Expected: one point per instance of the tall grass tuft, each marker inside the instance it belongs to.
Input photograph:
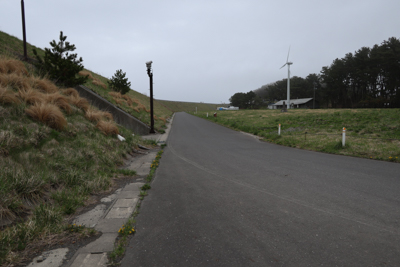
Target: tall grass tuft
(107, 127)
(31, 96)
(48, 114)
(8, 97)
(44, 85)
(14, 81)
(99, 83)
(8, 66)
(115, 94)
(86, 73)
(70, 92)
(60, 101)
(79, 102)
(128, 99)
(97, 115)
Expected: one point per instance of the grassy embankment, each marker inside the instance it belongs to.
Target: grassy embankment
(56, 151)
(370, 133)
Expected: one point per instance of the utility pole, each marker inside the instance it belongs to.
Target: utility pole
(23, 29)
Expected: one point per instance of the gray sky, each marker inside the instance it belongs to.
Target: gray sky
(205, 50)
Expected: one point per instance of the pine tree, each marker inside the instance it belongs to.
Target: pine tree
(60, 65)
(119, 83)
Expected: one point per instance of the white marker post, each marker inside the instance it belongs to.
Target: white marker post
(344, 137)
(279, 130)
(207, 114)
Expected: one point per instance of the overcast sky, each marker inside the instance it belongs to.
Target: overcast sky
(205, 50)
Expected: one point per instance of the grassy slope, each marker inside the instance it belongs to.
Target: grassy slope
(53, 157)
(47, 172)
(370, 133)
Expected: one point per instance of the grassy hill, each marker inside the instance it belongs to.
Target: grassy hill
(56, 151)
(135, 103)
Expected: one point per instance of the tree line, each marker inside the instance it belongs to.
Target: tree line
(369, 78)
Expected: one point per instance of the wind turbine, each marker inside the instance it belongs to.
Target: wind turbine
(288, 79)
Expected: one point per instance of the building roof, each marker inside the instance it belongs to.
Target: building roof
(293, 101)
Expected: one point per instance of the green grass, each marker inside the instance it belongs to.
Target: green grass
(370, 133)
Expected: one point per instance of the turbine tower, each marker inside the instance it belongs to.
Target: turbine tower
(288, 79)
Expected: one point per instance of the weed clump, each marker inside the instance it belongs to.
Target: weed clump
(48, 114)
(8, 97)
(107, 127)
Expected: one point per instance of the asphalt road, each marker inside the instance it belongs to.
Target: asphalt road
(224, 198)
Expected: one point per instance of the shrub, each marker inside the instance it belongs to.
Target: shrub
(61, 65)
(48, 114)
(119, 83)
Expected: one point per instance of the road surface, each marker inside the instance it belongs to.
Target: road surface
(224, 198)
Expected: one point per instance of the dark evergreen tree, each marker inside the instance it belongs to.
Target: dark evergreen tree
(119, 83)
(61, 65)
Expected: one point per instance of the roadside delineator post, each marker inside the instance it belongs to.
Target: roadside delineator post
(279, 129)
(344, 137)
(207, 114)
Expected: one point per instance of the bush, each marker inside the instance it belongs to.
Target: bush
(61, 65)
(119, 83)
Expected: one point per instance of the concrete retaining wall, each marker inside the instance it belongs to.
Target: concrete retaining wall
(120, 116)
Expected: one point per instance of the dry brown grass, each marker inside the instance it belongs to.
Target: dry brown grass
(120, 101)
(86, 73)
(140, 106)
(115, 95)
(8, 66)
(107, 127)
(70, 92)
(8, 96)
(128, 99)
(99, 83)
(48, 114)
(60, 101)
(31, 96)
(98, 115)
(14, 81)
(79, 102)
(43, 85)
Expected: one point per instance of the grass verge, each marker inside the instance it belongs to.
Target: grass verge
(370, 133)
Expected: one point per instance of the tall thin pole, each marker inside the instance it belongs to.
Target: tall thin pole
(150, 73)
(23, 29)
(288, 87)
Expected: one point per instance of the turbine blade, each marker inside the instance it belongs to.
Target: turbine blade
(283, 66)
(287, 60)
